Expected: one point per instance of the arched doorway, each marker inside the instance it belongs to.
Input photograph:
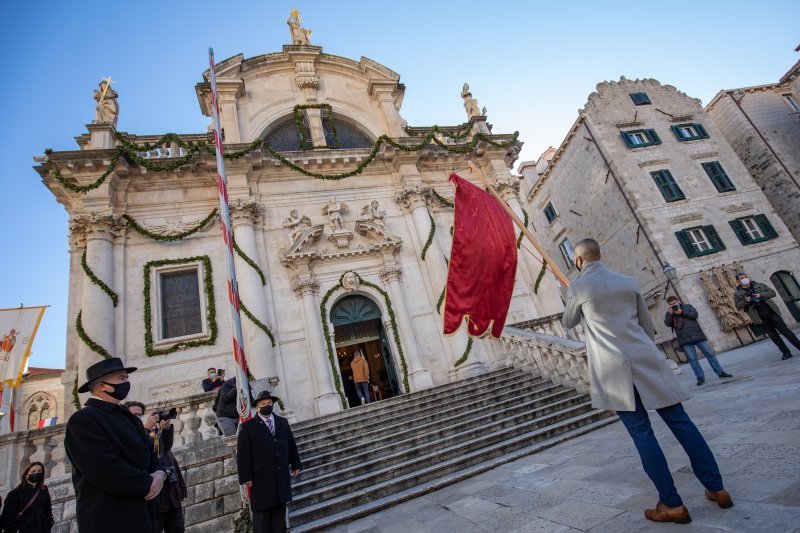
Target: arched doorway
(789, 290)
(357, 324)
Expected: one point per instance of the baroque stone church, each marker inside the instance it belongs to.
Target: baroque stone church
(341, 214)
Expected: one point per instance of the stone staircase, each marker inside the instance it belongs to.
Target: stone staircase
(359, 461)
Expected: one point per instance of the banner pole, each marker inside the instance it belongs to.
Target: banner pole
(473, 168)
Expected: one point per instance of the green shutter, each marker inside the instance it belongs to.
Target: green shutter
(627, 139)
(701, 131)
(738, 229)
(677, 132)
(654, 139)
(718, 177)
(686, 244)
(766, 227)
(713, 238)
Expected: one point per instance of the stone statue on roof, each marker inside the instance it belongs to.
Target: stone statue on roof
(107, 108)
(300, 35)
(470, 103)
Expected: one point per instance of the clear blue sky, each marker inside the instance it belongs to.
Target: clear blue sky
(531, 64)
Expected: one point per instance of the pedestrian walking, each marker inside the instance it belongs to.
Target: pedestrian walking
(360, 369)
(629, 374)
(756, 300)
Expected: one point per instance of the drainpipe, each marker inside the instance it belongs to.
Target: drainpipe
(590, 128)
(758, 132)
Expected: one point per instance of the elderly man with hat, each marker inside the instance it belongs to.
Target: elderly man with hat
(266, 456)
(755, 299)
(114, 471)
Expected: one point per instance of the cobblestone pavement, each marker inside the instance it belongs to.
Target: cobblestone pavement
(596, 483)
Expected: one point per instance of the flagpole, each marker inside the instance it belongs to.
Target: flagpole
(550, 263)
(242, 384)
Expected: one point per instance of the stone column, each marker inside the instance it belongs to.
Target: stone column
(326, 398)
(97, 308)
(418, 376)
(229, 93)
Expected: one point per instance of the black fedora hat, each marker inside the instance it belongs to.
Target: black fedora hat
(103, 368)
(264, 395)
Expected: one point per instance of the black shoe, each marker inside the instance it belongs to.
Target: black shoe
(700, 381)
(786, 356)
(725, 375)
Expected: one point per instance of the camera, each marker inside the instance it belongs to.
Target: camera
(220, 372)
(676, 307)
(172, 414)
(752, 294)
(171, 476)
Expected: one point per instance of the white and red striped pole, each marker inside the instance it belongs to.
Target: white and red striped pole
(243, 386)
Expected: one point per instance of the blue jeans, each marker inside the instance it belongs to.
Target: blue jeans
(362, 389)
(691, 354)
(655, 464)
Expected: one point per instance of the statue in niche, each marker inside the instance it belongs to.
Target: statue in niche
(300, 35)
(335, 210)
(297, 224)
(470, 103)
(372, 213)
(107, 108)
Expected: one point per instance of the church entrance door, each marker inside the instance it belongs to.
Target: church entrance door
(357, 324)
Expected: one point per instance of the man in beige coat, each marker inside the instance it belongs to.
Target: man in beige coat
(360, 369)
(628, 374)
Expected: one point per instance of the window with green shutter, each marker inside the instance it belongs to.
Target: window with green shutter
(550, 212)
(754, 229)
(640, 138)
(699, 241)
(718, 176)
(667, 185)
(689, 132)
(640, 98)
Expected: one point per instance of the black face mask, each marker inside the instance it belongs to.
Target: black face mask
(266, 410)
(35, 478)
(121, 390)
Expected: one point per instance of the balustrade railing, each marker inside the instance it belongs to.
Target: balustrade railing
(551, 325)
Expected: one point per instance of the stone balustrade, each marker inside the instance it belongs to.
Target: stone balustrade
(194, 423)
(551, 325)
(559, 359)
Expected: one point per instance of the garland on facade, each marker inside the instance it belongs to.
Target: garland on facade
(430, 237)
(539, 277)
(76, 401)
(243, 523)
(250, 262)
(465, 354)
(82, 335)
(174, 236)
(522, 233)
(298, 121)
(210, 307)
(260, 325)
(441, 299)
(97, 281)
(132, 152)
(462, 131)
(442, 200)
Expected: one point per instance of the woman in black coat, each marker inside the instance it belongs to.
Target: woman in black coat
(28, 507)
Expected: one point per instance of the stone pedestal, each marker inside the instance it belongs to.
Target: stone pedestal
(101, 136)
(341, 238)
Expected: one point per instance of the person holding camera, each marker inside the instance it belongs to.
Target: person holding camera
(114, 471)
(214, 379)
(169, 511)
(756, 300)
(682, 318)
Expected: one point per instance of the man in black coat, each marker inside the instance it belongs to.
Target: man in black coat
(682, 318)
(114, 471)
(225, 407)
(266, 456)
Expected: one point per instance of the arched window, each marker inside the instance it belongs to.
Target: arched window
(339, 133)
(39, 407)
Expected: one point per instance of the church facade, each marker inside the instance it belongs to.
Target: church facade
(341, 216)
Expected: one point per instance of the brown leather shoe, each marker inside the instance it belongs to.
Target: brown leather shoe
(721, 497)
(662, 513)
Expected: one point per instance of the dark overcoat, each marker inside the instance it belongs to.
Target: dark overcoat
(111, 465)
(267, 461)
(766, 295)
(687, 329)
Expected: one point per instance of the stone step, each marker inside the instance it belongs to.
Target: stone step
(388, 422)
(449, 454)
(428, 396)
(329, 453)
(507, 421)
(349, 507)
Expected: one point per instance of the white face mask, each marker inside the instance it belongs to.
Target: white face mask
(745, 281)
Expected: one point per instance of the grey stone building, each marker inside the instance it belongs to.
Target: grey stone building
(646, 172)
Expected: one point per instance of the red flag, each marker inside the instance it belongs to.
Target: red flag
(483, 261)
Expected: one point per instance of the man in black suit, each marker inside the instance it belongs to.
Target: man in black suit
(266, 456)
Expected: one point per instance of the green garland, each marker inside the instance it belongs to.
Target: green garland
(97, 281)
(250, 262)
(95, 184)
(88, 340)
(466, 353)
(522, 233)
(539, 277)
(462, 131)
(173, 237)
(243, 523)
(430, 237)
(76, 401)
(440, 300)
(442, 200)
(337, 382)
(260, 325)
(298, 121)
(210, 307)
